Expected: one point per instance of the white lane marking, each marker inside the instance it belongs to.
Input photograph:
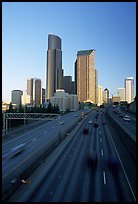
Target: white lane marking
(100, 139)
(104, 177)
(122, 167)
(34, 139)
(45, 132)
(100, 132)
(53, 127)
(102, 152)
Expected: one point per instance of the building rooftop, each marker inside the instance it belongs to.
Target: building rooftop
(84, 52)
(129, 78)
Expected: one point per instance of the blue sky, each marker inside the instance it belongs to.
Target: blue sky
(109, 28)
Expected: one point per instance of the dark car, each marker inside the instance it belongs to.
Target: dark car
(121, 116)
(85, 131)
(92, 160)
(96, 124)
(113, 164)
(104, 122)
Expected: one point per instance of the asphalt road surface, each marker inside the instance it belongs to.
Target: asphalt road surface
(65, 175)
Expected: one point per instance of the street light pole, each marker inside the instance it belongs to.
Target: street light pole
(24, 113)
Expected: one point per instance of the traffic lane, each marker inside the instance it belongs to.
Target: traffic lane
(114, 180)
(132, 120)
(128, 164)
(13, 163)
(53, 188)
(26, 138)
(10, 163)
(39, 177)
(133, 116)
(72, 187)
(125, 125)
(101, 176)
(101, 181)
(108, 185)
(4, 183)
(33, 137)
(15, 140)
(120, 180)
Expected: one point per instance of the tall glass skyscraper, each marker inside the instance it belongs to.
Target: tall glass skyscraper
(54, 73)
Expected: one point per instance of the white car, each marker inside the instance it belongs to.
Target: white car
(126, 118)
(62, 122)
(17, 149)
(90, 121)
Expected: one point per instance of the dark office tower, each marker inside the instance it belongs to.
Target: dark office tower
(43, 95)
(75, 76)
(54, 65)
(67, 84)
(73, 87)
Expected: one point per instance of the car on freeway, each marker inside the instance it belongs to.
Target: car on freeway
(18, 149)
(126, 118)
(90, 121)
(120, 115)
(113, 164)
(92, 160)
(75, 115)
(104, 122)
(96, 124)
(85, 131)
(62, 122)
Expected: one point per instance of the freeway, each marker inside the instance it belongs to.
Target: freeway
(129, 126)
(65, 176)
(34, 140)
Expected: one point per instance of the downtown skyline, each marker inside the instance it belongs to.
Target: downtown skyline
(26, 53)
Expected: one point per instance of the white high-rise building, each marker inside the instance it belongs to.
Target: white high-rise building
(121, 93)
(129, 89)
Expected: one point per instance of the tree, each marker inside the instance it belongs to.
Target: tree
(49, 108)
(10, 108)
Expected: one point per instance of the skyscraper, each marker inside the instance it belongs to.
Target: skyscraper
(86, 76)
(100, 98)
(43, 95)
(16, 97)
(34, 89)
(67, 84)
(129, 89)
(54, 65)
(106, 96)
(121, 93)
